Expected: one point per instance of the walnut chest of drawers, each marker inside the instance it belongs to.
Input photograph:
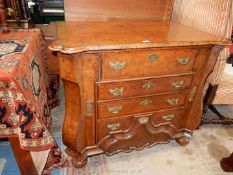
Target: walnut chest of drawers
(130, 85)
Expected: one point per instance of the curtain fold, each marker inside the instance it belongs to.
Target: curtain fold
(212, 16)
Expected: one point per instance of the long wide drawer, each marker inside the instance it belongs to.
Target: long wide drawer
(139, 105)
(106, 126)
(124, 89)
(142, 63)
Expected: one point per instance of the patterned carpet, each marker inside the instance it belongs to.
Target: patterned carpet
(201, 156)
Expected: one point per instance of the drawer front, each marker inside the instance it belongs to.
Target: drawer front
(119, 90)
(142, 104)
(105, 126)
(133, 64)
(176, 117)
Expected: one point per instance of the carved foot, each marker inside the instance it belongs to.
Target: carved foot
(183, 141)
(79, 163)
(183, 137)
(78, 160)
(227, 163)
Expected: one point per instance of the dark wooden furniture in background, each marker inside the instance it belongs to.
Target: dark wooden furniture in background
(18, 14)
(227, 163)
(132, 78)
(3, 22)
(208, 104)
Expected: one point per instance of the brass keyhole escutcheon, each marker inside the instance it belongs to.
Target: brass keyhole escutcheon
(89, 108)
(193, 94)
(143, 120)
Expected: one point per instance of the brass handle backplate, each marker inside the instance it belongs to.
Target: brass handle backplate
(152, 57)
(148, 85)
(117, 91)
(173, 101)
(118, 66)
(143, 120)
(114, 126)
(115, 110)
(168, 117)
(145, 102)
(183, 60)
(177, 84)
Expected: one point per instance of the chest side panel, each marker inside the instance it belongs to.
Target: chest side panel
(79, 73)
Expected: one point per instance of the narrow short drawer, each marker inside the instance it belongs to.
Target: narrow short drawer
(139, 105)
(125, 89)
(176, 117)
(124, 124)
(105, 126)
(142, 63)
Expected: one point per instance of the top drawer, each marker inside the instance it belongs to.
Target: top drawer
(143, 63)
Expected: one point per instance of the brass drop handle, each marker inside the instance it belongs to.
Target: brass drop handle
(183, 60)
(118, 66)
(115, 110)
(173, 101)
(143, 120)
(114, 126)
(117, 91)
(146, 102)
(168, 117)
(152, 57)
(148, 85)
(177, 84)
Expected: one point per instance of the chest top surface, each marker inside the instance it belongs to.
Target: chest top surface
(74, 37)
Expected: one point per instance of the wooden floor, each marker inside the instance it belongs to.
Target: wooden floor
(8, 165)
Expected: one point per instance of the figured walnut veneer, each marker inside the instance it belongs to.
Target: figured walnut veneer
(131, 84)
